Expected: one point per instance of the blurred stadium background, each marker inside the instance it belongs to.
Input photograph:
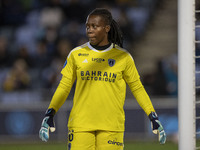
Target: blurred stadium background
(35, 39)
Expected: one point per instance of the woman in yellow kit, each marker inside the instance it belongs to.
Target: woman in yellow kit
(101, 68)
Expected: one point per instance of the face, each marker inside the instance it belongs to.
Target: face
(97, 30)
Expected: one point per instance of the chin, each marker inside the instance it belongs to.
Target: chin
(93, 43)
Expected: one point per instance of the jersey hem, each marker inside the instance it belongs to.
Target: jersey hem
(78, 129)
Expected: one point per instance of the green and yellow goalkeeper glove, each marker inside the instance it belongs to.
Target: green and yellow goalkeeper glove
(157, 128)
(47, 124)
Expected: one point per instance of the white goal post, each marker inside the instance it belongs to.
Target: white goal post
(186, 75)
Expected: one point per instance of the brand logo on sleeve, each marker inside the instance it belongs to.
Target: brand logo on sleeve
(65, 64)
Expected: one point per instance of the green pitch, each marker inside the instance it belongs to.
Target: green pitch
(63, 146)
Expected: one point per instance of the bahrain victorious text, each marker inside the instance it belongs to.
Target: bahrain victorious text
(98, 76)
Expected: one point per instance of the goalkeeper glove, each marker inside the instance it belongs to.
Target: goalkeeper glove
(47, 123)
(157, 128)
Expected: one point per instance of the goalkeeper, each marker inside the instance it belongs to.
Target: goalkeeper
(101, 69)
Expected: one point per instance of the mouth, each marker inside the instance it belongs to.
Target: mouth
(92, 38)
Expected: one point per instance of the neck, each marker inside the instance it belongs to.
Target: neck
(101, 47)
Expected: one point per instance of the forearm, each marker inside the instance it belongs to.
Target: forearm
(144, 101)
(142, 97)
(58, 99)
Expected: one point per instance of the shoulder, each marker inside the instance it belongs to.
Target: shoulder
(123, 52)
(77, 49)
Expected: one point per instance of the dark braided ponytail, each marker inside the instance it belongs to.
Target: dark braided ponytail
(114, 35)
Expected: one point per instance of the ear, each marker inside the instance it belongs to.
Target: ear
(107, 28)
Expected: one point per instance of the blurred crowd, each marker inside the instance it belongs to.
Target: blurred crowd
(36, 37)
(164, 81)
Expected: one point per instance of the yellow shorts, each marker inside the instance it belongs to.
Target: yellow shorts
(95, 140)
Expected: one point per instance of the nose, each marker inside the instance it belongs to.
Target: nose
(89, 30)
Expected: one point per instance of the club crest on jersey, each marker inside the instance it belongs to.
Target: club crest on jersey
(111, 62)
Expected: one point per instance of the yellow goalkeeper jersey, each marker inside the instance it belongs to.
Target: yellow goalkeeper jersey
(101, 77)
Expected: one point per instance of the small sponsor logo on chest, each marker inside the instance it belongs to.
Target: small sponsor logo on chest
(83, 54)
(98, 60)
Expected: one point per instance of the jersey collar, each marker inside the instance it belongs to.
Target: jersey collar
(100, 51)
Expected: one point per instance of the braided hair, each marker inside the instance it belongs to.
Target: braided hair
(114, 35)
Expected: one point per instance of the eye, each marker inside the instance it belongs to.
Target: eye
(87, 27)
(94, 26)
